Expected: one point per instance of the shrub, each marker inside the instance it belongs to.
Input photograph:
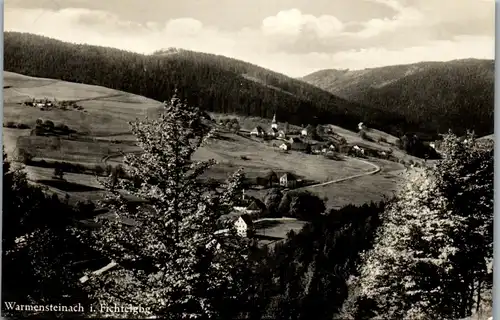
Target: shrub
(49, 124)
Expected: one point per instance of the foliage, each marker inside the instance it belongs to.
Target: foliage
(306, 277)
(215, 83)
(272, 200)
(432, 96)
(413, 145)
(37, 250)
(171, 260)
(58, 173)
(433, 256)
(302, 205)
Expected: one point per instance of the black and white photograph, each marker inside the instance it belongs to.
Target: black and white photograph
(248, 159)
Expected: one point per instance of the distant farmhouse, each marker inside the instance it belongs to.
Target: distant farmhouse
(288, 180)
(273, 132)
(244, 225)
(303, 132)
(284, 146)
(257, 131)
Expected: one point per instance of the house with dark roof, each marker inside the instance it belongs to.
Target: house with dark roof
(257, 131)
(244, 225)
(273, 132)
(288, 180)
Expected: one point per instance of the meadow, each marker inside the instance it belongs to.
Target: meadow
(102, 133)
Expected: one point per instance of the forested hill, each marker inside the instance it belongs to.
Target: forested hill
(456, 94)
(215, 83)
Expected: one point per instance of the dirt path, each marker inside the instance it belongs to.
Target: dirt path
(376, 169)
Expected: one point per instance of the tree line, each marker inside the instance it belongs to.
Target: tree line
(426, 254)
(215, 83)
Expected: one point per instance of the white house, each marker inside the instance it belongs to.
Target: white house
(358, 149)
(281, 134)
(273, 132)
(284, 147)
(361, 126)
(432, 145)
(257, 131)
(288, 180)
(243, 225)
(303, 132)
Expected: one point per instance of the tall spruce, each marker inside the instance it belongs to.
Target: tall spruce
(433, 256)
(170, 258)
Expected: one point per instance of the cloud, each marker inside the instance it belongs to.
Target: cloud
(293, 23)
(290, 41)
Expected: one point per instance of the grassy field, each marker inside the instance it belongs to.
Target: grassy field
(249, 123)
(270, 232)
(229, 149)
(363, 189)
(104, 121)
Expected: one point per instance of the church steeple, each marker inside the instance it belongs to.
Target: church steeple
(274, 124)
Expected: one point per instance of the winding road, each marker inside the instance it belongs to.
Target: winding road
(376, 169)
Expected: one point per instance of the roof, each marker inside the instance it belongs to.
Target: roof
(289, 176)
(258, 128)
(270, 174)
(253, 206)
(295, 139)
(273, 129)
(247, 219)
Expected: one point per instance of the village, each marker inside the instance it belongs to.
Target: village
(46, 104)
(250, 218)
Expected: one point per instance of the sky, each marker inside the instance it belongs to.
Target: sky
(294, 37)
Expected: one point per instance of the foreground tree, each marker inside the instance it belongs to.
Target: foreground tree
(171, 261)
(434, 253)
(37, 250)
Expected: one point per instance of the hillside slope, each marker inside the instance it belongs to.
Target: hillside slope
(215, 83)
(436, 96)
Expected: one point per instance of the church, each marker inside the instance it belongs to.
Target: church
(273, 131)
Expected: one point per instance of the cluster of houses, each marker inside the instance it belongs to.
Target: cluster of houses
(274, 131)
(44, 104)
(39, 103)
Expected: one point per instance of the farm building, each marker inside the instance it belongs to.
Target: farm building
(244, 225)
(317, 148)
(257, 131)
(272, 177)
(284, 146)
(294, 140)
(288, 180)
(273, 132)
(304, 132)
(281, 134)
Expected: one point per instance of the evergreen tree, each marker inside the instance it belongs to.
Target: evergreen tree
(171, 260)
(37, 250)
(434, 252)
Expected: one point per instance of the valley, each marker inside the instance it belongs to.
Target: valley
(101, 134)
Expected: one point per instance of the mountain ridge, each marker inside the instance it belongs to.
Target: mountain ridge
(456, 94)
(215, 83)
